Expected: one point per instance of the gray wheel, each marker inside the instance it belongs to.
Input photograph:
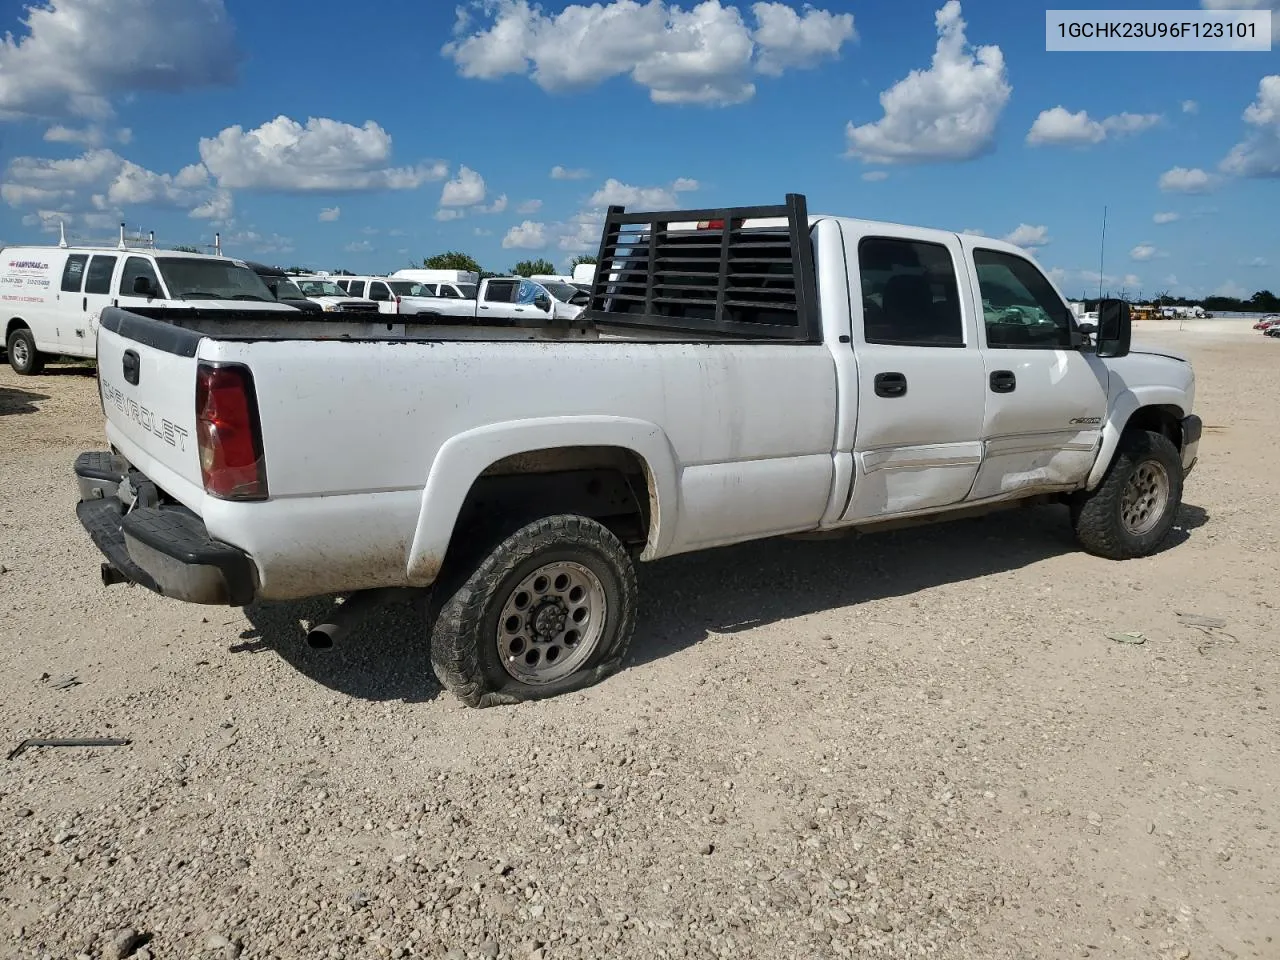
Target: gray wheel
(549, 609)
(1134, 508)
(551, 623)
(23, 355)
(1145, 498)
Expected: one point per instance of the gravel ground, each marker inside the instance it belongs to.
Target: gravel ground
(915, 744)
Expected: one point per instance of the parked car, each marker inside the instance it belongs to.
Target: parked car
(332, 298)
(283, 288)
(1273, 330)
(497, 299)
(1270, 320)
(52, 296)
(807, 374)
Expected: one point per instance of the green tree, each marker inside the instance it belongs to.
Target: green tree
(581, 259)
(527, 268)
(451, 260)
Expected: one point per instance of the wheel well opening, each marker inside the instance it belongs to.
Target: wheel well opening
(17, 323)
(608, 484)
(1161, 418)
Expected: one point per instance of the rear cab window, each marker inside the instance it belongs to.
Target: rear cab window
(910, 294)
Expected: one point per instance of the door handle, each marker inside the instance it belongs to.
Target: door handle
(1003, 381)
(84, 304)
(891, 385)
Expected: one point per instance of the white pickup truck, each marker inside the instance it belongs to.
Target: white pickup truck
(497, 300)
(791, 374)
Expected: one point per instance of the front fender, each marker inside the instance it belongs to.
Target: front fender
(464, 457)
(1123, 407)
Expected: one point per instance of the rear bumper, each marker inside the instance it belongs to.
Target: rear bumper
(165, 548)
(1192, 427)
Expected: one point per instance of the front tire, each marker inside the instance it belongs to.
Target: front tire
(25, 359)
(1132, 511)
(549, 610)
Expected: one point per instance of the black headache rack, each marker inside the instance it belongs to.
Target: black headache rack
(704, 272)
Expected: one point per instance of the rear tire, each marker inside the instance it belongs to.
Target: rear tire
(549, 610)
(25, 359)
(1132, 511)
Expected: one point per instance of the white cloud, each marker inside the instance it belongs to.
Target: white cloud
(1257, 262)
(564, 173)
(975, 231)
(1190, 106)
(482, 232)
(329, 214)
(947, 112)
(464, 190)
(1272, 5)
(1145, 251)
(358, 246)
(102, 182)
(705, 54)
(1258, 155)
(256, 242)
(90, 136)
(529, 235)
(499, 204)
(1059, 127)
(875, 176)
(788, 40)
(79, 54)
(321, 154)
(449, 213)
(1184, 180)
(218, 208)
(1231, 289)
(1166, 217)
(1027, 235)
(529, 206)
(614, 192)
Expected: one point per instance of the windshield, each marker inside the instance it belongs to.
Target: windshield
(407, 288)
(321, 288)
(565, 292)
(468, 290)
(286, 289)
(214, 279)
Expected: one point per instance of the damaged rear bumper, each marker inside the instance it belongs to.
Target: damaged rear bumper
(163, 547)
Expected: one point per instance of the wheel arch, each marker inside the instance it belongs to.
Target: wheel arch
(1159, 409)
(502, 460)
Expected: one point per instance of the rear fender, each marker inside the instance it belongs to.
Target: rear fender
(463, 458)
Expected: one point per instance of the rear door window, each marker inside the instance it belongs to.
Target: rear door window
(73, 272)
(98, 276)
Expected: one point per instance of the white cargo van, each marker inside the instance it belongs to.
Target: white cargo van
(438, 276)
(51, 297)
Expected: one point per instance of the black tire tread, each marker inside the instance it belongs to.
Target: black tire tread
(1095, 517)
(454, 651)
(37, 359)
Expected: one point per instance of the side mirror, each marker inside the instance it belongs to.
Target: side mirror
(1087, 327)
(142, 287)
(275, 290)
(542, 302)
(1114, 328)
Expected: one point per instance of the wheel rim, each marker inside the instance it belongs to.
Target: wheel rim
(1145, 498)
(21, 355)
(551, 622)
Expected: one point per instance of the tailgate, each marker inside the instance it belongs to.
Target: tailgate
(147, 376)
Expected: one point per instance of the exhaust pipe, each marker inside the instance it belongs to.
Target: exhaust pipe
(112, 576)
(344, 616)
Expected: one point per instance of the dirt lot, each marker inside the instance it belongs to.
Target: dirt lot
(919, 744)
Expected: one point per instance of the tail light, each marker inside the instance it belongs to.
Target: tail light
(229, 433)
(719, 224)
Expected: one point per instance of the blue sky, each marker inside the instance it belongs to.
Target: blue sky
(307, 135)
